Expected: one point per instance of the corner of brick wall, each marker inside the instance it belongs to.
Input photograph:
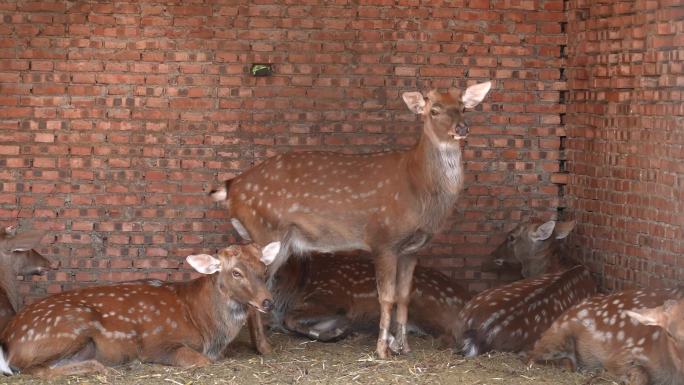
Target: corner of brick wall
(624, 146)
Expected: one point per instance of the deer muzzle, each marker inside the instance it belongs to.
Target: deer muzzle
(460, 131)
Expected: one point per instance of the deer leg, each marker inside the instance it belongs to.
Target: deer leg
(386, 277)
(405, 268)
(324, 327)
(71, 369)
(182, 356)
(636, 375)
(257, 333)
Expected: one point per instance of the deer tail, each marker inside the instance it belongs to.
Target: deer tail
(221, 194)
(473, 344)
(4, 365)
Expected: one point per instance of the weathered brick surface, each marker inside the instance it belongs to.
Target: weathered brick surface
(116, 118)
(625, 125)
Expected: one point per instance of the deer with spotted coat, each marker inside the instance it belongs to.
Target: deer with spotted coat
(180, 324)
(512, 317)
(637, 335)
(17, 257)
(389, 204)
(326, 297)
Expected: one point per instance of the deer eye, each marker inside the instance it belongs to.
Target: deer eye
(237, 274)
(434, 112)
(510, 238)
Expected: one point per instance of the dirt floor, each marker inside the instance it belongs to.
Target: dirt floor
(300, 361)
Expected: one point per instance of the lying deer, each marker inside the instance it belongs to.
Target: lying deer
(512, 317)
(180, 324)
(389, 204)
(610, 332)
(328, 296)
(17, 257)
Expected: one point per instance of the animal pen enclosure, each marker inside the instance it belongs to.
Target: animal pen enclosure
(117, 118)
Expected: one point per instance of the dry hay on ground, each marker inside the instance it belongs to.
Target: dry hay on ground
(300, 361)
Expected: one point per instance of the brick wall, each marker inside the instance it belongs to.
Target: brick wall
(116, 118)
(624, 147)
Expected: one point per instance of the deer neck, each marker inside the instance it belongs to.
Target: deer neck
(675, 356)
(436, 166)
(545, 259)
(218, 319)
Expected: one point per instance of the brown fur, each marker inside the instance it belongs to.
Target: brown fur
(512, 317)
(339, 291)
(183, 324)
(599, 333)
(389, 204)
(521, 252)
(17, 257)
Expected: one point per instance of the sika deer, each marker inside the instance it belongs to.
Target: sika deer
(17, 257)
(513, 316)
(328, 296)
(599, 333)
(388, 203)
(181, 324)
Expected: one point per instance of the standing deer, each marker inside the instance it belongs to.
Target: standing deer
(609, 331)
(389, 204)
(17, 257)
(328, 296)
(181, 324)
(513, 316)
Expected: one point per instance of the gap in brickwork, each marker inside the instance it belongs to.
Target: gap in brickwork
(562, 100)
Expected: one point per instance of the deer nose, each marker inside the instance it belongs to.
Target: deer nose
(462, 128)
(267, 305)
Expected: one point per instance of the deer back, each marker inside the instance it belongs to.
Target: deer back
(513, 316)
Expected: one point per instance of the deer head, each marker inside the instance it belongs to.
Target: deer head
(443, 112)
(242, 269)
(528, 248)
(16, 252)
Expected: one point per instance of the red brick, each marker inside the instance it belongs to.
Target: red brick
(144, 118)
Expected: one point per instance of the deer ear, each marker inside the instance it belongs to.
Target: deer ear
(474, 95)
(269, 253)
(543, 232)
(414, 101)
(656, 316)
(204, 263)
(10, 231)
(563, 229)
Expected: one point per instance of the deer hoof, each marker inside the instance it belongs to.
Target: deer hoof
(264, 348)
(384, 348)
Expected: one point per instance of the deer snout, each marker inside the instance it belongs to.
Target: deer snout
(462, 129)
